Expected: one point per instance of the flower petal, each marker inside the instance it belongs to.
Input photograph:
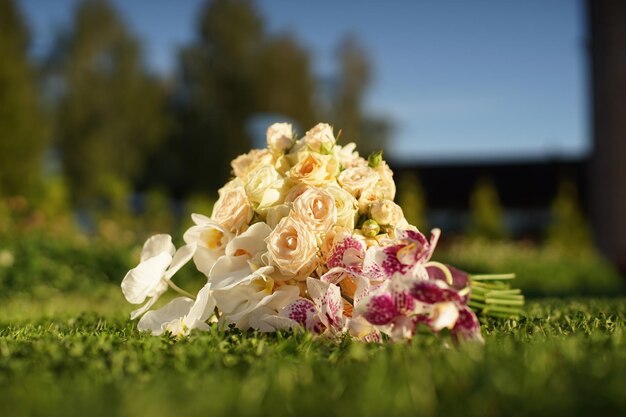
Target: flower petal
(181, 257)
(328, 302)
(444, 316)
(156, 321)
(303, 312)
(142, 280)
(157, 244)
(380, 309)
(138, 312)
(434, 291)
(250, 242)
(202, 308)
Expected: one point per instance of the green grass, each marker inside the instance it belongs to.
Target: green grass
(75, 355)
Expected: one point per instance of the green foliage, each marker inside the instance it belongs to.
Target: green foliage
(412, 199)
(352, 81)
(487, 215)
(540, 270)
(219, 71)
(563, 358)
(284, 81)
(569, 229)
(42, 262)
(23, 130)
(111, 113)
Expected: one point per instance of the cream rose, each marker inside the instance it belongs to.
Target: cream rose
(276, 213)
(320, 138)
(233, 210)
(347, 156)
(316, 209)
(357, 179)
(346, 205)
(265, 186)
(386, 213)
(313, 169)
(246, 163)
(279, 137)
(292, 248)
(371, 196)
(295, 192)
(386, 183)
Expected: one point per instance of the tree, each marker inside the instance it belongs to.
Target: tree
(412, 199)
(23, 132)
(285, 83)
(110, 112)
(487, 214)
(369, 133)
(217, 92)
(569, 229)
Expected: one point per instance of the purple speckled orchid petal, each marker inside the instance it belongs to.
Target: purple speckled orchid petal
(380, 309)
(403, 328)
(432, 244)
(434, 291)
(383, 262)
(467, 326)
(303, 312)
(403, 301)
(347, 254)
(417, 249)
(460, 279)
(328, 303)
(372, 268)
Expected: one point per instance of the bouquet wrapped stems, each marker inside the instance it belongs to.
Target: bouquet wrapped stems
(492, 295)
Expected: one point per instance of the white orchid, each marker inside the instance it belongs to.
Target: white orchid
(181, 315)
(211, 240)
(150, 279)
(245, 297)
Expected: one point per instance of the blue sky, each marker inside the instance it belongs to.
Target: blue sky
(471, 80)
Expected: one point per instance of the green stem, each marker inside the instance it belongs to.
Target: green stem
(492, 277)
(180, 290)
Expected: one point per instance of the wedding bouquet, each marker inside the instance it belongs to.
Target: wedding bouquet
(307, 236)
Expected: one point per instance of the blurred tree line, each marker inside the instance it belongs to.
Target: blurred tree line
(114, 127)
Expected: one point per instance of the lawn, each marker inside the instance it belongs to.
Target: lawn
(79, 355)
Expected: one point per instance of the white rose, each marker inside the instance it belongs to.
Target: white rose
(386, 183)
(316, 209)
(357, 179)
(295, 192)
(313, 169)
(292, 248)
(246, 163)
(320, 138)
(370, 196)
(265, 186)
(346, 205)
(275, 214)
(233, 210)
(386, 213)
(279, 137)
(282, 165)
(347, 156)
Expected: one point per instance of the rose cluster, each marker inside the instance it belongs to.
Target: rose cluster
(306, 235)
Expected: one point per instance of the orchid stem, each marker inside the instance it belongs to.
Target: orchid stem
(180, 290)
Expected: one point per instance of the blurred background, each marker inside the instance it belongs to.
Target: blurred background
(504, 123)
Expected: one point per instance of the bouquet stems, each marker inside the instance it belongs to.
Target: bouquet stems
(492, 295)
